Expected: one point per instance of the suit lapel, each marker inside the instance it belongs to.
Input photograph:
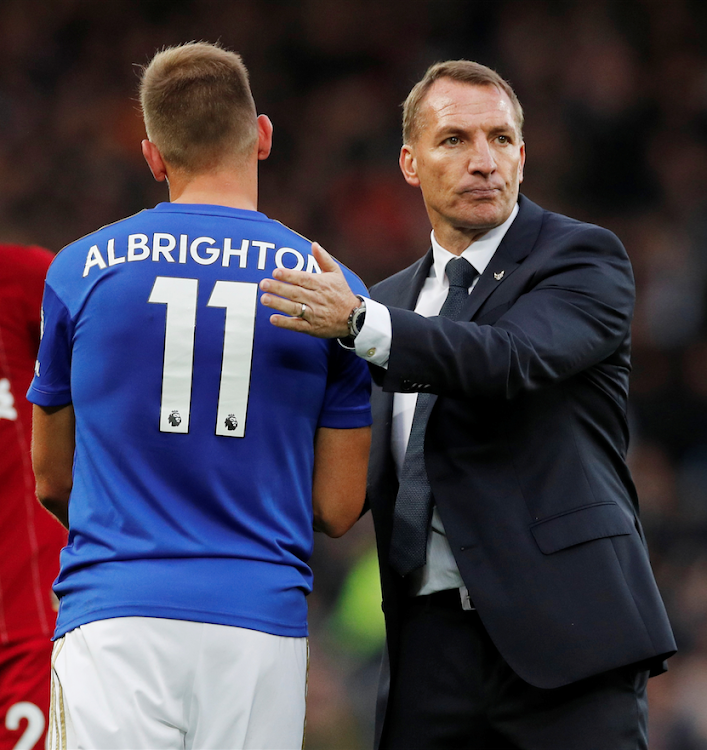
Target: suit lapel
(498, 270)
(409, 283)
(514, 248)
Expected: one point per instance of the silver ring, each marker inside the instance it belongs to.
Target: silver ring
(301, 313)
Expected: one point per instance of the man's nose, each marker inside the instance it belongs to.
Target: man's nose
(481, 158)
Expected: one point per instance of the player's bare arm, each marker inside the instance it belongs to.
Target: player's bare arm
(327, 297)
(339, 481)
(53, 457)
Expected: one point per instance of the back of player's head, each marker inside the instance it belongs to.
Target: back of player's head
(462, 71)
(198, 106)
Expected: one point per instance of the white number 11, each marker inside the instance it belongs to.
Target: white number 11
(180, 295)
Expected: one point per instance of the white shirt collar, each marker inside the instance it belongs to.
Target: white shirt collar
(479, 253)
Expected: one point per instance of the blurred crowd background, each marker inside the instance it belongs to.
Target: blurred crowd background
(615, 93)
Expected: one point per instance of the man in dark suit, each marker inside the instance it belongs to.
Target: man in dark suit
(521, 610)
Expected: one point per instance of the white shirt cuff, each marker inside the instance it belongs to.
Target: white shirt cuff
(373, 341)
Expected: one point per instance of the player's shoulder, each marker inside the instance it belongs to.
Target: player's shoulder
(285, 236)
(75, 252)
(355, 282)
(91, 238)
(288, 232)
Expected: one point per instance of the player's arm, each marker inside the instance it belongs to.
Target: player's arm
(339, 482)
(53, 443)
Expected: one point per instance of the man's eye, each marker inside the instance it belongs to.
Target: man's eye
(453, 140)
(503, 139)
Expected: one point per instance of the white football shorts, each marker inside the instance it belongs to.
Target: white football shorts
(143, 683)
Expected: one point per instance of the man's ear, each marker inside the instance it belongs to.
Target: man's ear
(154, 160)
(408, 166)
(264, 137)
(522, 163)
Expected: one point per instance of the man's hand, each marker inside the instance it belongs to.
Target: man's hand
(327, 297)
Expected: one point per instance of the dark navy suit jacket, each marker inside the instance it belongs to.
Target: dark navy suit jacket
(525, 451)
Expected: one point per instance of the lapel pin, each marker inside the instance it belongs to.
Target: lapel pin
(498, 276)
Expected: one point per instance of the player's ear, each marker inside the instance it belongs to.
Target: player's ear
(264, 136)
(154, 160)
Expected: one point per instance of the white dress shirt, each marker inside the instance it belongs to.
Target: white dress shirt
(373, 344)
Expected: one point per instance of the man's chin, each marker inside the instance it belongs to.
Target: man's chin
(485, 216)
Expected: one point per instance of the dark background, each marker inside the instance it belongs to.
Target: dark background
(615, 95)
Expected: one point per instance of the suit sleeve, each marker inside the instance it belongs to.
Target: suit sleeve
(574, 312)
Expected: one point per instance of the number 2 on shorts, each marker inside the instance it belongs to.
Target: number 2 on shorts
(35, 724)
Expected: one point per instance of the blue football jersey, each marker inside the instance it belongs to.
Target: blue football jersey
(195, 419)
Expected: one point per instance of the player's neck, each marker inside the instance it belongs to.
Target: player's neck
(233, 189)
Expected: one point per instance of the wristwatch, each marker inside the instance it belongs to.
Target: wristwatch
(357, 319)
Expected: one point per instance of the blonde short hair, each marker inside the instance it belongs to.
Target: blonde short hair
(197, 106)
(463, 71)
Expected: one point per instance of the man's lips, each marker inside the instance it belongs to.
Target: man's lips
(481, 192)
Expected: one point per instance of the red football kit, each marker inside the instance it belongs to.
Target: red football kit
(32, 538)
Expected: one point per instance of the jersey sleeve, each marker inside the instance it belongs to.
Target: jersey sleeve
(51, 385)
(347, 402)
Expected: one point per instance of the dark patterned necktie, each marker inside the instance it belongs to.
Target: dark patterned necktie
(413, 505)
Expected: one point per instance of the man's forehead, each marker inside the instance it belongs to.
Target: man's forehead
(448, 98)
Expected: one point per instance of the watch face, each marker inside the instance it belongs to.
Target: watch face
(356, 318)
(359, 318)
